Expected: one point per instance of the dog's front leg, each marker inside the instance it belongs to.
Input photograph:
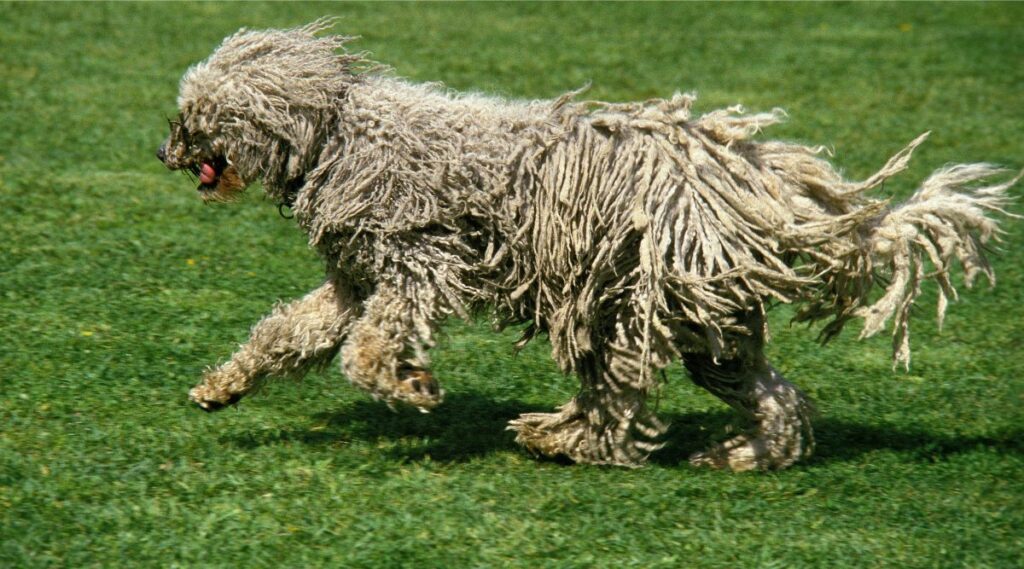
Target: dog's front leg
(386, 351)
(293, 339)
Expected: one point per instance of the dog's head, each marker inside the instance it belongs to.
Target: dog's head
(259, 109)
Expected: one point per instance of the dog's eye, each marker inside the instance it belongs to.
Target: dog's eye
(179, 131)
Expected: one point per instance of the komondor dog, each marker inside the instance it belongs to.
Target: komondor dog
(630, 234)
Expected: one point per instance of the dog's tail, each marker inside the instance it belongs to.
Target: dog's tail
(948, 219)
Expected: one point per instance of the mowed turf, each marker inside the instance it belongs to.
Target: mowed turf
(117, 288)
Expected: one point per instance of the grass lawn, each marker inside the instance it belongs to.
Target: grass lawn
(117, 287)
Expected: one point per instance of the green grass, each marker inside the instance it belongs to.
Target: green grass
(117, 287)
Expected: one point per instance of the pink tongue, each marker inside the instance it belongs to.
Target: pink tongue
(207, 174)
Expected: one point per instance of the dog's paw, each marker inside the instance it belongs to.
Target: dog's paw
(568, 434)
(418, 388)
(748, 452)
(548, 434)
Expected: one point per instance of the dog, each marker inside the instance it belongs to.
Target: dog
(632, 235)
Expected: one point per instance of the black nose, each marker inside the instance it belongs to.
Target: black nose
(210, 405)
(161, 153)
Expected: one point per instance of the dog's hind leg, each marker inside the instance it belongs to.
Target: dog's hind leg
(779, 413)
(608, 422)
(386, 351)
(293, 339)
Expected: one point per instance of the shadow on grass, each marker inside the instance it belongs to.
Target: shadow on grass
(470, 425)
(837, 440)
(465, 426)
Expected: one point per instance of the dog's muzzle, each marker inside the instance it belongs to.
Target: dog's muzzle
(211, 405)
(161, 153)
